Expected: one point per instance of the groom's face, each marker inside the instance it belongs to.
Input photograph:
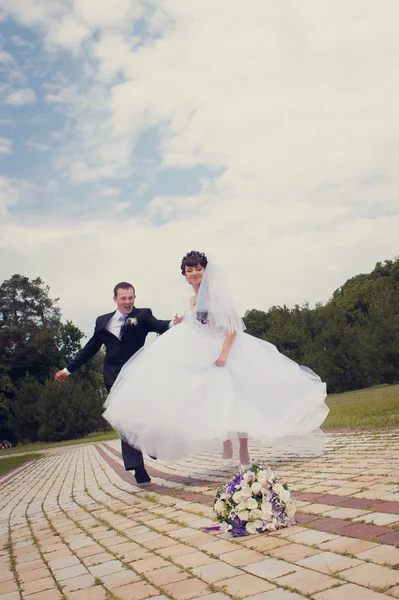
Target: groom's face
(125, 300)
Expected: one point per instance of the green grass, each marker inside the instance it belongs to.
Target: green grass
(92, 437)
(13, 462)
(372, 408)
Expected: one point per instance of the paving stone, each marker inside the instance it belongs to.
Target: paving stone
(350, 592)
(52, 594)
(8, 586)
(346, 513)
(176, 550)
(148, 564)
(187, 589)
(293, 552)
(278, 594)
(97, 559)
(215, 571)
(92, 593)
(381, 555)
(195, 559)
(346, 544)
(33, 575)
(307, 582)
(68, 572)
(379, 518)
(271, 568)
(62, 563)
(312, 537)
(119, 578)
(371, 575)
(244, 586)
(329, 562)
(264, 543)
(160, 577)
(39, 585)
(241, 557)
(77, 583)
(107, 568)
(135, 591)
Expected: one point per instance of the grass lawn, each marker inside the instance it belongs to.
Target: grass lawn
(372, 408)
(13, 462)
(92, 437)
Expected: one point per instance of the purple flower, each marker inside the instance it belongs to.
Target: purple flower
(238, 531)
(231, 486)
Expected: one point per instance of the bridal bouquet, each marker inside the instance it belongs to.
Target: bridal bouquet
(253, 501)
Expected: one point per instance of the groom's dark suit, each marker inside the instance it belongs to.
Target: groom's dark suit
(117, 353)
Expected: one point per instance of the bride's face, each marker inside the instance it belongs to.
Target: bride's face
(194, 275)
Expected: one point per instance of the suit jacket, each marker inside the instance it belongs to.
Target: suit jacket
(118, 352)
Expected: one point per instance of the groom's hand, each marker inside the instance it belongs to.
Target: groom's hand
(60, 376)
(178, 319)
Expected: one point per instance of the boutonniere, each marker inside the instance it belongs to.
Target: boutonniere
(131, 321)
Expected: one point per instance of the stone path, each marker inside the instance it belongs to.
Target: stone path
(73, 526)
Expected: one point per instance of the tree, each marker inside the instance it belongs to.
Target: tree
(34, 343)
(29, 324)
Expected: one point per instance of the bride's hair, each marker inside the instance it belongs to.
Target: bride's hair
(192, 259)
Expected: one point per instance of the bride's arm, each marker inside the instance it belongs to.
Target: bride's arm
(227, 344)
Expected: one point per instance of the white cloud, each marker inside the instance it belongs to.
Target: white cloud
(5, 146)
(105, 190)
(21, 97)
(5, 57)
(38, 146)
(291, 106)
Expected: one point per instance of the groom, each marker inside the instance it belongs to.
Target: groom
(122, 332)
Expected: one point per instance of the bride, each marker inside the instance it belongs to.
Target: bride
(205, 382)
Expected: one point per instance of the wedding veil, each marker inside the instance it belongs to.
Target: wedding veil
(214, 303)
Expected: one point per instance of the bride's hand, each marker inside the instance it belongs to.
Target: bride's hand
(221, 360)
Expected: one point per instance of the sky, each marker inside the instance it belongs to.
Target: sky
(133, 131)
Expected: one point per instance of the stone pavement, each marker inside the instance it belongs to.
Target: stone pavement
(74, 526)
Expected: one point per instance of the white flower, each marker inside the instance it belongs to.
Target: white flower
(261, 477)
(246, 493)
(250, 527)
(266, 495)
(278, 488)
(219, 507)
(290, 509)
(249, 476)
(255, 514)
(265, 516)
(285, 495)
(258, 524)
(237, 497)
(251, 503)
(243, 515)
(266, 508)
(256, 487)
(242, 506)
(225, 527)
(131, 321)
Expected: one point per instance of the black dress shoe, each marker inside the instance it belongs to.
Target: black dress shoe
(142, 476)
(153, 457)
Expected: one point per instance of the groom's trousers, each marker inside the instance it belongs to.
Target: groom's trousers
(132, 458)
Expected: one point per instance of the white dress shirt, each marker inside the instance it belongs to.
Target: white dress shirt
(115, 323)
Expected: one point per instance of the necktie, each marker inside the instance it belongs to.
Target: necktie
(122, 319)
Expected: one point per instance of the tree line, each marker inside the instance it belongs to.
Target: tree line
(351, 341)
(34, 344)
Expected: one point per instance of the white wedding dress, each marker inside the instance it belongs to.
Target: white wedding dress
(171, 399)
